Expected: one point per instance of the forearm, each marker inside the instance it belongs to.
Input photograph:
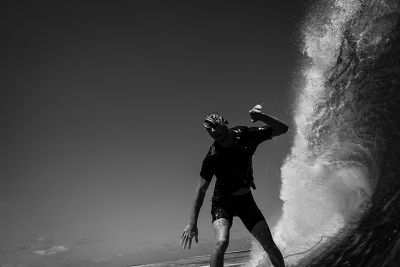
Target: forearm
(277, 126)
(197, 203)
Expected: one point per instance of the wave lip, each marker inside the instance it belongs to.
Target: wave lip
(340, 184)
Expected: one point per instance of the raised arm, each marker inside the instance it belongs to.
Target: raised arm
(191, 230)
(278, 127)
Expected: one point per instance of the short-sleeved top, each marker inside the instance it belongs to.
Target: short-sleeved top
(233, 166)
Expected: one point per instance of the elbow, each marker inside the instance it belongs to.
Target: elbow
(282, 130)
(285, 129)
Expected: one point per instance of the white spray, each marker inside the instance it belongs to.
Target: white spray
(324, 190)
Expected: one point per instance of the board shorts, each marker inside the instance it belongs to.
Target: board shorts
(242, 206)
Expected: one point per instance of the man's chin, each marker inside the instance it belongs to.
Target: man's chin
(220, 139)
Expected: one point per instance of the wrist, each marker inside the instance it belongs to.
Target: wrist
(262, 116)
(257, 116)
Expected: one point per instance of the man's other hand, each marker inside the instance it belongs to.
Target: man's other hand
(187, 235)
(255, 113)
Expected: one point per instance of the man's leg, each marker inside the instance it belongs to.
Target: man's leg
(262, 233)
(221, 228)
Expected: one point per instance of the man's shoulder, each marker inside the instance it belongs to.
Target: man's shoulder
(211, 151)
(239, 129)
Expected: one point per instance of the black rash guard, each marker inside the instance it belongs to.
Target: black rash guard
(233, 166)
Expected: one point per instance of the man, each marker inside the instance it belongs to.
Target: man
(230, 160)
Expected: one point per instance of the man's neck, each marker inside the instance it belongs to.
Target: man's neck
(229, 141)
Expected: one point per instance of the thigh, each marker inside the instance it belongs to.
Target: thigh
(221, 209)
(262, 232)
(221, 228)
(249, 213)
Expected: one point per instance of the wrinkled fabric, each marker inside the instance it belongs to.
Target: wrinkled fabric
(242, 206)
(233, 166)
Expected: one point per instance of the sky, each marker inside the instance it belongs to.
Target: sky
(101, 111)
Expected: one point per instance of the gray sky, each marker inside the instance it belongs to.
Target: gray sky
(101, 113)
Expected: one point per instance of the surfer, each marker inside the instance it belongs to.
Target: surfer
(230, 160)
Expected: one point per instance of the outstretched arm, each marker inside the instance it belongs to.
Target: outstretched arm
(278, 127)
(191, 230)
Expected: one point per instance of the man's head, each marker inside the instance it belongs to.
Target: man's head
(216, 126)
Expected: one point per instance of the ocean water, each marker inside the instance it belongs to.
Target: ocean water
(232, 259)
(341, 181)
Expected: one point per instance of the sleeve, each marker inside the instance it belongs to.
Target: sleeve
(260, 134)
(208, 167)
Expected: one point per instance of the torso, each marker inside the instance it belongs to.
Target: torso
(231, 141)
(235, 158)
(231, 161)
(241, 191)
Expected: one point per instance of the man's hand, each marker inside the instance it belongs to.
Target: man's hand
(255, 113)
(187, 235)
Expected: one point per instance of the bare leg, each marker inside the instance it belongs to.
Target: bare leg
(262, 233)
(221, 228)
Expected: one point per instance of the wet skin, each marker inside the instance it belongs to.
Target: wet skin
(221, 134)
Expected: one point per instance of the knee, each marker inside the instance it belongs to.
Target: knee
(221, 245)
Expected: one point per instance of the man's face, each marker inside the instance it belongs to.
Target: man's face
(218, 131)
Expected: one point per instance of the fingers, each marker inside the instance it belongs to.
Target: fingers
(256, 108)
(190, 242)
(187, 241)
(184, 240)
(184, 236)
(187, 237)
(255, 111)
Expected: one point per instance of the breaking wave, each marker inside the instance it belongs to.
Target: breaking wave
(340, 183)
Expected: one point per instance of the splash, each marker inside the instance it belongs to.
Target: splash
(343, 113)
